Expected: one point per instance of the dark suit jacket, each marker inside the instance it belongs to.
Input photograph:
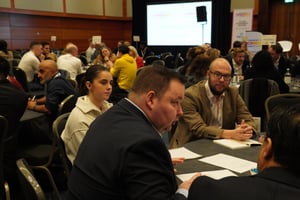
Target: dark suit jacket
(283, 64)
(270, 184)
(122, 157)
(245, 65)
(13, 103)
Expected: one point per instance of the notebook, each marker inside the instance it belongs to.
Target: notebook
(235, 144)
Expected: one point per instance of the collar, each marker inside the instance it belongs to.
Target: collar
(281, 175)
(131, 102)
(209, 94)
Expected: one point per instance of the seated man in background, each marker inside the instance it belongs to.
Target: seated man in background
(12, 106)
(58, 88)
(70, 61)
(281, 63)
(212, 109)
(278, 166)
(29, 64)
(123, 155)
(239, 64)
(47, 51)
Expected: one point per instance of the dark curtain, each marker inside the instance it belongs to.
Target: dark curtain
(222, 23)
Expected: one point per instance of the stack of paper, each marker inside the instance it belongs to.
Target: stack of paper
(183, 152)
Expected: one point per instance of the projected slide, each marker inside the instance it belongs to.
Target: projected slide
(176, 24)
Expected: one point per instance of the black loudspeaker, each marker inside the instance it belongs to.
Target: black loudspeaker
(201, 14)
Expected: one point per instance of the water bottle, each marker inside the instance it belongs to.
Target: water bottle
(288, 77)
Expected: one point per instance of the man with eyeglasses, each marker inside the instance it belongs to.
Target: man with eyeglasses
(213, 110)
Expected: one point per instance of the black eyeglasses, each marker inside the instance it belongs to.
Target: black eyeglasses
(219, 75)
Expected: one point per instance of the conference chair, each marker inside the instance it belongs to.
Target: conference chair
(254, 92)
(58, 127)
(67, 104)
(286, 100)
(286, 45)
(30, 187)
(46, 158)
(149, 60)
(4, 191)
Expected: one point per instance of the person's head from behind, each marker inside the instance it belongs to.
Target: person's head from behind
(36, 48)
(238, 55)
(281, 146)
(275, 51)
(262, 61)
(213, 53)
(194, 51)
(71, 49)
(123, 49)
(47, 70)
(133, 52)
(199, 66)
(237, 44)
(159, 93)
(4, 68)
(3, 46)
(219, 76)
(97, 84)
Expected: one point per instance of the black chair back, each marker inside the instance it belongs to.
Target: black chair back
(30, 186)
(3, 132)
(284, 100)
(67, 104)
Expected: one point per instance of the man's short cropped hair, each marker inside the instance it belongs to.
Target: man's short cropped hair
(284, 131)
(156, 78)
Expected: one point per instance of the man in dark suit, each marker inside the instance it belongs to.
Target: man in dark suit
(238, 62)
(278, 166)
(123, 155)
(13, 103)
(281, 63)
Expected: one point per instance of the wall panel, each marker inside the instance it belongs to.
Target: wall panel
(90, 7)
(19, 30)
(114, 8)
(40, 5)
(5, 3)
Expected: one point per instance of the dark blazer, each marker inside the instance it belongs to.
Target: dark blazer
(245, 66)
(270, 184)
(283, 64)
(13, 103)
(122, 157)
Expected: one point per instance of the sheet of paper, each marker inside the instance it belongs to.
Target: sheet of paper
(184, 153)
(229, 162)
(216, 174)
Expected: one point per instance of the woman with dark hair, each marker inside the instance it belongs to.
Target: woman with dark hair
(98, 87)
(263, 67)
(197, 70)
